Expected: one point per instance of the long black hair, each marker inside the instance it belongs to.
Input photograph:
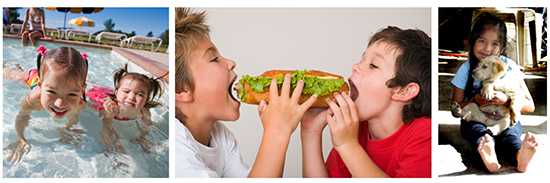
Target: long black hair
(482, 21)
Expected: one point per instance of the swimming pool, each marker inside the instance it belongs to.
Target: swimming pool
(50, 158)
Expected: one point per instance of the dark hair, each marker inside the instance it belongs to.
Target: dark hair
(481, 22)
(413, 65)
(67, 59)
(153, 84)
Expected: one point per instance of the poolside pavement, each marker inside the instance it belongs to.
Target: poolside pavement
(152, 62)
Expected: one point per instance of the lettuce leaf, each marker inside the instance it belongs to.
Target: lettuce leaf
(312, 85)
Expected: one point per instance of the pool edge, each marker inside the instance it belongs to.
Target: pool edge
(147, 64)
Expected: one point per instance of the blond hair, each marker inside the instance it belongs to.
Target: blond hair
(190, 29)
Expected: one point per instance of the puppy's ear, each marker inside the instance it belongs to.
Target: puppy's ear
(499, 68)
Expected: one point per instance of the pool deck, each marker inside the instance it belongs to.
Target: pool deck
(153, 62)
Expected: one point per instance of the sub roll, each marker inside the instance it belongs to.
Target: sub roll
(253, 89)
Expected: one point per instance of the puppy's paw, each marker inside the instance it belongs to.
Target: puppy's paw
(488, 95)
(456, 111)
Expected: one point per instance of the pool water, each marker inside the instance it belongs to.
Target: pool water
(50, 158)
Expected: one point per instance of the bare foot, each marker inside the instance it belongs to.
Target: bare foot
(487, 152)
(526, 152)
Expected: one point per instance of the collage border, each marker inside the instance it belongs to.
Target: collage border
(433, 4)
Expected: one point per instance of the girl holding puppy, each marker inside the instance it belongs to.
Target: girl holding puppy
(487, 38)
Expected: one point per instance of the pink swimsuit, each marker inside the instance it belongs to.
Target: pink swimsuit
(97, 95)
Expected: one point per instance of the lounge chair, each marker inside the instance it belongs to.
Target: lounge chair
(74, 33)
(129, 42)
(110, 36)
(15, 28)
(52, 31)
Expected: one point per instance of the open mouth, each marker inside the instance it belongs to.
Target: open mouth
(58, 112)
(353, 92)
(232, 90)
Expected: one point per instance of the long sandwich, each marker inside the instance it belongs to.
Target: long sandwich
(253, 89)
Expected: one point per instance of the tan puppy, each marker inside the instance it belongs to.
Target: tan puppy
(492, 72)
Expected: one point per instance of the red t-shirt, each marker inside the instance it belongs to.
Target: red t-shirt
(405, 153)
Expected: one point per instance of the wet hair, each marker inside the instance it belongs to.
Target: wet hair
(413, 65)
(482, 22)
(64, 59)
(153, 85)
(190, 29)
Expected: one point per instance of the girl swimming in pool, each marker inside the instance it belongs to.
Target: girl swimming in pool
(57, 86)
(134, 94)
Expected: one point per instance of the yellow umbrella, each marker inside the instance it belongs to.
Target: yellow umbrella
(82, 21)
(74, 10)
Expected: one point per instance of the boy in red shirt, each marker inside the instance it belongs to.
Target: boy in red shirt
(383, 127)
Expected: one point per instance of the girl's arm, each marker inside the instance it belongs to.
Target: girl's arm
(141, 139)
(109, 136)
(529, 105)
(457, 95)
(147, 123)
(312, 126)
(111, 108)
(21, 122)
(501, 99)
(23, 117)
